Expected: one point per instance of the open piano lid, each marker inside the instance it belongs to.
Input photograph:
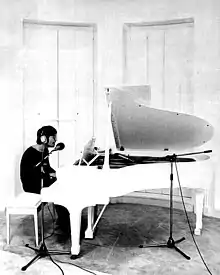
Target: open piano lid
(139, 127)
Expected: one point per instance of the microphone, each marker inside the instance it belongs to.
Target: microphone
(208, 151)
(60, 146)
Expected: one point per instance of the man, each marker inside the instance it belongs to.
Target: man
(33, 173)
(36, 172)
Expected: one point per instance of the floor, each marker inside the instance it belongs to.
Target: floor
(115, 248)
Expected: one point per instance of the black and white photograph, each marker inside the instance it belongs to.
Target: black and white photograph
(110, 137)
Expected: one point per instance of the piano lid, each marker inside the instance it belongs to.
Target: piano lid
(139, 127)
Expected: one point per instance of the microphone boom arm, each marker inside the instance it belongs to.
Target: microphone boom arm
(60, 146)
(39, 163)
(193, 153)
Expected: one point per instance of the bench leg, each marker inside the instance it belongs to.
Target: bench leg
(36, 228)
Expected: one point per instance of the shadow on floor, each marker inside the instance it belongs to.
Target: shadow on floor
(122, 228)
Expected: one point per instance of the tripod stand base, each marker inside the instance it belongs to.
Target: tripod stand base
(170, 244)
(41, 253)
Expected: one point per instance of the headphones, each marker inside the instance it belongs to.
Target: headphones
(43, 138)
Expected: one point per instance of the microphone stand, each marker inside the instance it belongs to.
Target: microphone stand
(171, 243)
(42, 251)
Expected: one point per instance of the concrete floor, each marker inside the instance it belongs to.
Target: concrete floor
(10, 264)
(115, 248)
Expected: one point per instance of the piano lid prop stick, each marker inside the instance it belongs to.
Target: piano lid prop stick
(92, 160)
(99, 217)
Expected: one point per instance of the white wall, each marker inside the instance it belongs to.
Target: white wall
(109, 15)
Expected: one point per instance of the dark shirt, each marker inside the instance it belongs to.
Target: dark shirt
(30, 175)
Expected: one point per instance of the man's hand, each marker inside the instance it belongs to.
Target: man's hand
(53, 175)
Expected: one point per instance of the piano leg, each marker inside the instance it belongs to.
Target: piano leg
(89, 231)
(199, 201)
(75, 224)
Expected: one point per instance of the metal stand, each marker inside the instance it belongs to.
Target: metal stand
(171, 243)
(42, 251)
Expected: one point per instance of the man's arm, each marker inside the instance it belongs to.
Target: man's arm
(49, 174)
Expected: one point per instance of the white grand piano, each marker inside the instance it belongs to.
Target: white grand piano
(144, 139)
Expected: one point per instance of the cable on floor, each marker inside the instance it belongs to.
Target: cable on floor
(82, 268)
(190, 228)
(53, 219)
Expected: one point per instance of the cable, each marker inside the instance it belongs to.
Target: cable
(53, 219)
(84, 269)
(53, 230)
(94, 244)
(97, 245)
(59, 260)
(56, 263)
(190, 228)
(53, 223)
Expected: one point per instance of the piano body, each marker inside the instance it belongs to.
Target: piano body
(144, 139)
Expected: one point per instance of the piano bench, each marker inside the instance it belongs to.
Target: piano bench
(23, 204)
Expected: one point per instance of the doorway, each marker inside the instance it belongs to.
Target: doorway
(58, 84)
(160, 54)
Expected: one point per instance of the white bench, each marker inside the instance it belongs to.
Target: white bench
(23, 204)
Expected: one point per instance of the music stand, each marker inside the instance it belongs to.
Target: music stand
(171, 243)
(42, 251)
